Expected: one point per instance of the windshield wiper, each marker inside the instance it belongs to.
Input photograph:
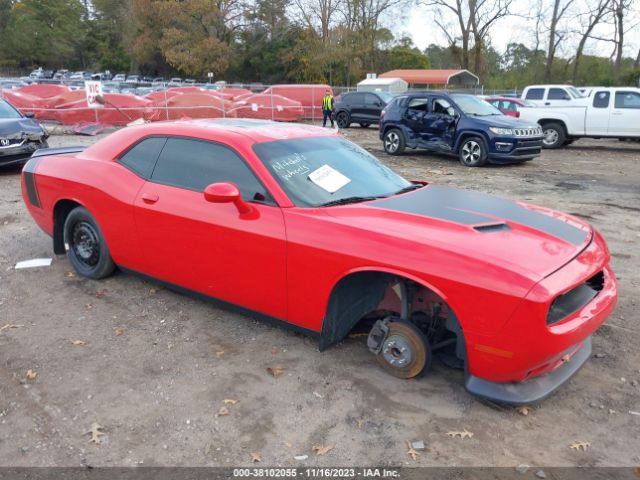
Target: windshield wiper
(413, 186)
(346, 200)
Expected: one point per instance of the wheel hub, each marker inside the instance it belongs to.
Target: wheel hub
(86, 244)
(392, 141)
(397, 351)
(550, 137)
(471, 152)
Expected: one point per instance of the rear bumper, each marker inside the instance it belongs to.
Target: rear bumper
(534, 389)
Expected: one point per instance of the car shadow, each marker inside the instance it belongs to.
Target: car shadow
(6, 170)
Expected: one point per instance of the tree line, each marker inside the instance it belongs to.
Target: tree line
(334, 41)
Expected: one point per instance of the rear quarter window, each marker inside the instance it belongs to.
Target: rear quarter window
(142, 157)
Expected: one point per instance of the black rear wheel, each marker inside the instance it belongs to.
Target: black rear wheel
(342, 118)
(87, 249)
(393, 142)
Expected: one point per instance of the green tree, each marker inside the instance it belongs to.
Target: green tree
(49, 33)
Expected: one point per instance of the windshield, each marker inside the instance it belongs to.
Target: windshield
(472, 105)
(385, 96)
(575, 93)
(7, 111)
(317, 171)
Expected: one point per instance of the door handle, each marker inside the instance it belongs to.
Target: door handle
(547, 103)
(150, 197)
(616, 113)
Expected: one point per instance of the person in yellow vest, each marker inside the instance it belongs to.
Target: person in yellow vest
(327, 108)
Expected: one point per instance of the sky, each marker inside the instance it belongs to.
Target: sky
(419, 25)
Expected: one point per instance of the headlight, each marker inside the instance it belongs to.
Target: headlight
(501, 131)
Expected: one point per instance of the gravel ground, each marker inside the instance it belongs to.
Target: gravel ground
(157, 366)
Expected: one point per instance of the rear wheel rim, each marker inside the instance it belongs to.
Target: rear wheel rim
(342, 120)
(85, 243)
(550, 136)
(392, 142)
(471, 152)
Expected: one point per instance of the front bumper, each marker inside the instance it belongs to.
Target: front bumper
(514, 149)
(534, 389)
(528, 347)
(21, 153)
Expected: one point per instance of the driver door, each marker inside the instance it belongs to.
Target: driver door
(208, 247)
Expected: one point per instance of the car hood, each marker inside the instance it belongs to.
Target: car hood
(504, 121)
(529, 240)
(18, 127)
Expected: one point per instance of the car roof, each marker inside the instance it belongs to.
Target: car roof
(231, 131)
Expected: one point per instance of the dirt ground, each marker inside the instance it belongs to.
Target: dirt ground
(157, 387)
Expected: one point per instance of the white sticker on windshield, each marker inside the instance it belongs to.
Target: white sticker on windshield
(328, 178)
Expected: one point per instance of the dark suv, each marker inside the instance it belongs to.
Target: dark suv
(458, 124)
(360, 107)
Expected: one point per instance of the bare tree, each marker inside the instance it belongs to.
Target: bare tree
(318, 15)
(595, 15)
(474, 19)
(619, 9)
(483, 15)
(560, 8)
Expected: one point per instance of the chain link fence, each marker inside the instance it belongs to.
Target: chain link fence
(123, 103)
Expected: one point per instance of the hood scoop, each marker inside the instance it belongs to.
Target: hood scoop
(493, 227)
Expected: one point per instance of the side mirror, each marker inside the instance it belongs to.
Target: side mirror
(226, 192)
(30, 115)
(517, 114)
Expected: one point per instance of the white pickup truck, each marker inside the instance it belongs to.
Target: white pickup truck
(565, 115)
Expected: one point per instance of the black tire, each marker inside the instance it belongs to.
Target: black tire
(343, 120)
(553, 135)
(394, 142)
(472, 152)
(88, 252)
(365, 124)
(405, 353)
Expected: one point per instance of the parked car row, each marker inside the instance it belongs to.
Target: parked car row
(567, 114)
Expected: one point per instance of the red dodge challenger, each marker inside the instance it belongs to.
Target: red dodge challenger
(295, 224)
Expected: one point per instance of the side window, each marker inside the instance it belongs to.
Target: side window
(347, 98)
(535, 94)
(601, 100)
(440, 105)
(195, 164)
(495, 103)
(370, 100)
(627, 100)
(558, 94)
(418, 104)
(356, 99)
(511, 106)
(141, 158)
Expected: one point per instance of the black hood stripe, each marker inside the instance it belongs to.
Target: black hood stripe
(473, 208)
